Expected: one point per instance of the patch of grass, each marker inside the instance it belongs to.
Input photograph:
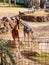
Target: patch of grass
(35, 45)
(8, 52)
(43, 58)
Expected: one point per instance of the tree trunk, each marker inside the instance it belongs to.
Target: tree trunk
(4, 2)
(30, 3)
(9, 2)
(14, 2)
(42, 3)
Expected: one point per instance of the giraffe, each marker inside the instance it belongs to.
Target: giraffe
(15, 32)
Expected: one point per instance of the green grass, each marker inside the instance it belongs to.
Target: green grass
(4, 49)
(43, 58)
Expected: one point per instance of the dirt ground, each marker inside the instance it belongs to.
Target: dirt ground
(39, 30)
(14, 10)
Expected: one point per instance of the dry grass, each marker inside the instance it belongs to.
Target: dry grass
(11, 10)
(8, 36)
(6, 9)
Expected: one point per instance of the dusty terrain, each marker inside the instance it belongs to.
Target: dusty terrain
(39, 30)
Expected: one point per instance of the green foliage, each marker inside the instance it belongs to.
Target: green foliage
(4, 48)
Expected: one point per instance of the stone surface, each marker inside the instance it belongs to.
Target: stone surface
(35, 18)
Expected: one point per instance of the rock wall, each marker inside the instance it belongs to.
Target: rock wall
(35, 18)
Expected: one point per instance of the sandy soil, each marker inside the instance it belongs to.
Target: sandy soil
(4, 10)
(40, 30)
